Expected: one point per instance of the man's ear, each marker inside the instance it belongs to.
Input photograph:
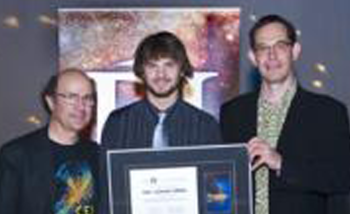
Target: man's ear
(49, 102)
(296, 51)
(252, 58)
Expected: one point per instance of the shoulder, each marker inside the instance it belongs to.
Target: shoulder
(126, 113)
(321, 101)
(240, 101)
(194, 111)
(128, 109)
(23, 144)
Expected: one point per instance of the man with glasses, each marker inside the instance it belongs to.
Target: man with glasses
(298, 141)
(54, 169)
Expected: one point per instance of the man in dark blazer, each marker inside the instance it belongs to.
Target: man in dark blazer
(301, 138)
(53, 169)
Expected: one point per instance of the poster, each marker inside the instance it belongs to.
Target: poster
(102, 43)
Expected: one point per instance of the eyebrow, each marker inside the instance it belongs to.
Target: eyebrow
(274, 41)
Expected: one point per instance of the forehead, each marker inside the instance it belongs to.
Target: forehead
(271, 33)
(75, 83)
(161, 60)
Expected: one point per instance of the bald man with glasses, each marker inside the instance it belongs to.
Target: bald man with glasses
(54, 169)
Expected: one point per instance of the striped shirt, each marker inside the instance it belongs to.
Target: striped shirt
(133, 126)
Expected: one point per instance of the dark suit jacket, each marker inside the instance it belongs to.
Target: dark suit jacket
(26, 175)
(314, 143)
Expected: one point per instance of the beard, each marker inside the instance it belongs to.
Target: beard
(176, 87)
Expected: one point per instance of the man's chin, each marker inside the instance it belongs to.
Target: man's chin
(163, 93)
(79, 126)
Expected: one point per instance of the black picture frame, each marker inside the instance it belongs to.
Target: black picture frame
(223, 176)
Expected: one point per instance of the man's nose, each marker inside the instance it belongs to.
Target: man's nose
(272, 52)
(160, 72)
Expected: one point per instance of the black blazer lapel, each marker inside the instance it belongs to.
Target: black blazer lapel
(291, 123)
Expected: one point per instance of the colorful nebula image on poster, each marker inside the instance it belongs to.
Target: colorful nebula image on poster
(102, 43)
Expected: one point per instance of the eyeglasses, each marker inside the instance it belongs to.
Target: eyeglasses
(73, 99)
(280, 46)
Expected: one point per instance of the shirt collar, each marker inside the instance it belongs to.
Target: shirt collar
(156, 111)
(286, 97)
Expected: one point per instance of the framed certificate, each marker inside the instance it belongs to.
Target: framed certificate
(180, 180)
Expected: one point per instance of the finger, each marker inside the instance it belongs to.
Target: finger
(258, 148)
(254, 146)
(262, 145)
(255, 140)
(253, 157)
(257, 163)
(254, 153)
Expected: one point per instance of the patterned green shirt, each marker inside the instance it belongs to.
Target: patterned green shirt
(271, 118)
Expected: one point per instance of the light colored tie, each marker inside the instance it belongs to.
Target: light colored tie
(262, 191)
(159, 137)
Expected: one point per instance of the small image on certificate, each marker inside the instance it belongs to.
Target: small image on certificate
(219, 191)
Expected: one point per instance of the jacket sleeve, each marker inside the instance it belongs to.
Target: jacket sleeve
(225, 123)
(232, 127)
(10, 181)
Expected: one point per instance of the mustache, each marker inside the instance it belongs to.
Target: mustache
(162, 79)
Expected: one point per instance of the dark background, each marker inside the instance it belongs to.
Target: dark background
(29, 52)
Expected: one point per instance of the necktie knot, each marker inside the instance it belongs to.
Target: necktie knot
(161, 117)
